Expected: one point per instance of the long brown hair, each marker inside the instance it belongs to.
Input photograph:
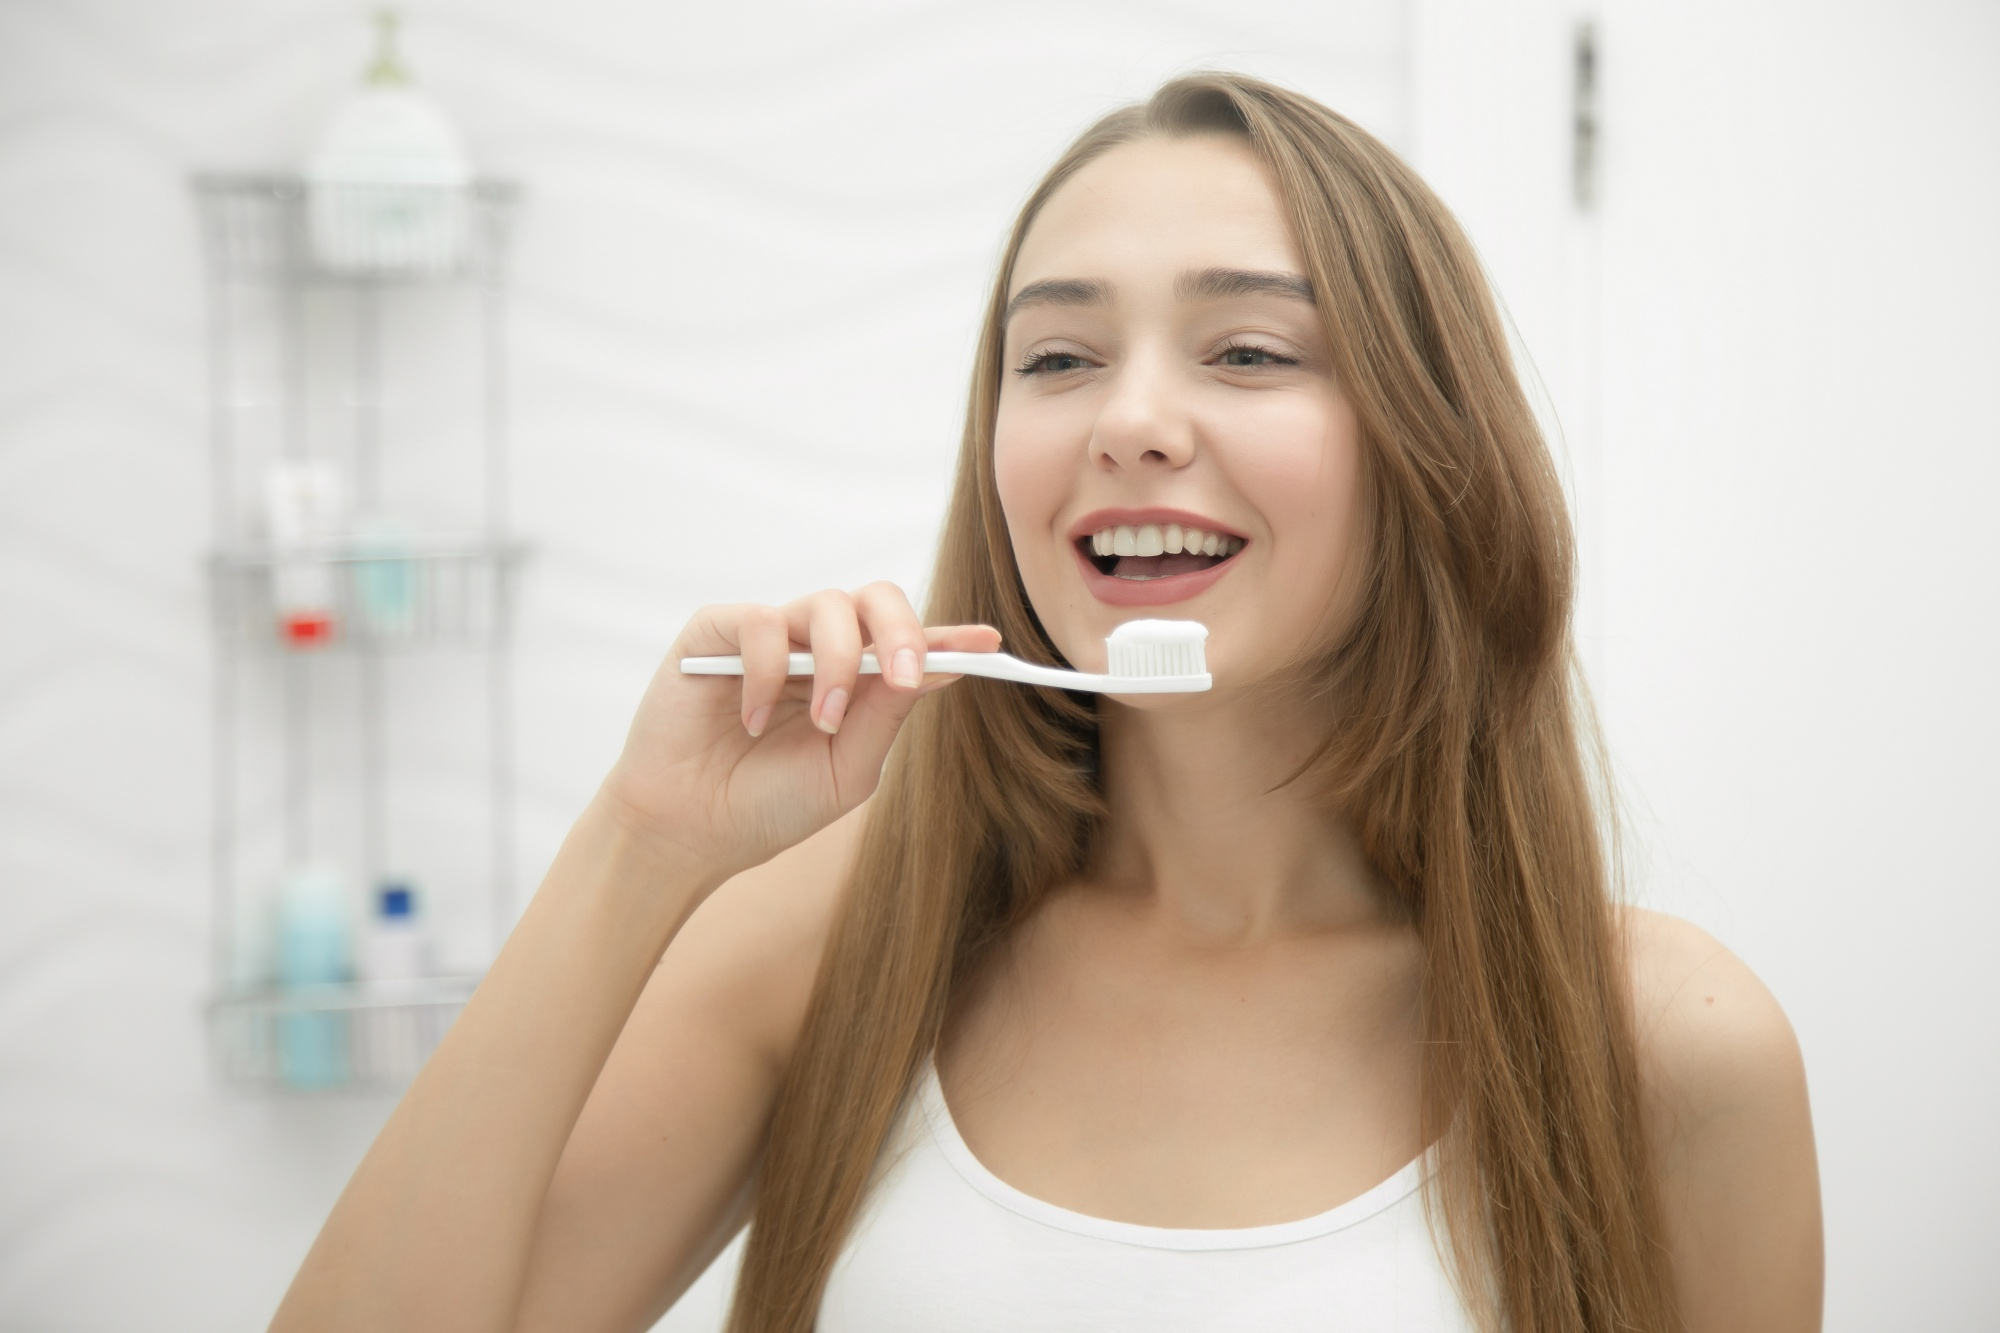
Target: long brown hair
(1454, 744)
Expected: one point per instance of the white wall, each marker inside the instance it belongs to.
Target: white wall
(755, 244)
(754, 248)
(1801, 559)
(1770, 351)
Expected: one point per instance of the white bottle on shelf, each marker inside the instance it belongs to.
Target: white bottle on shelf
(304, 511)
(396, 945)
(398, 1027)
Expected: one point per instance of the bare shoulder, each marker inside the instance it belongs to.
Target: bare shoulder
(1723, 1090)
(747, 959)
(1712, 1037)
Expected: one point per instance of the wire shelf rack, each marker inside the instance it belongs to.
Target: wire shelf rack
(357, 330)
(336, 1038)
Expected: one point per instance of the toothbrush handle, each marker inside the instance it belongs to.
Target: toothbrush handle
(937, 663)
(799, 664)
(997, 666)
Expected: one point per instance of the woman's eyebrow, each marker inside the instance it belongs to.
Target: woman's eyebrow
(1210, 284)
(1059, 291)
(1207, 284)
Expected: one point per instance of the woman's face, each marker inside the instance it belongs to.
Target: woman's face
(1166, 374)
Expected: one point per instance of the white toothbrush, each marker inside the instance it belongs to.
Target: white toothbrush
(1144, 657)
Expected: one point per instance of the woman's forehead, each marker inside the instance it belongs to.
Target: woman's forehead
(1154, 210)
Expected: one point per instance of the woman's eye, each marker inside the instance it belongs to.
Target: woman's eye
(1052, 363)
(1254, 356)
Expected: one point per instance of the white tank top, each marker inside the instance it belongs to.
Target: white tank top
(944, 1246)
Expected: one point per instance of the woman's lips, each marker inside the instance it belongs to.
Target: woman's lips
(1114, 591)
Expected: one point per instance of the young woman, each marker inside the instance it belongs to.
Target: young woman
(1299, 1003)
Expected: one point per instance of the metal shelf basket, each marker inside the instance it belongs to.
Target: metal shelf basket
(279, 228)
(333, 1038)
(410, 595)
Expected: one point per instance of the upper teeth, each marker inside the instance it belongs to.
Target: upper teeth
(1162, 539)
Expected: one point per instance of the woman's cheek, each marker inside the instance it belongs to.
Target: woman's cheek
(1029, 470)
(1304, 480)
(1033, 482)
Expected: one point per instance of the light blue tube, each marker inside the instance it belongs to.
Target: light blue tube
(315, 949)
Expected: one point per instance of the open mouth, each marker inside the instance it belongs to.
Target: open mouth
(1146, 551)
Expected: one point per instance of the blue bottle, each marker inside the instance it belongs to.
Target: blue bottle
(315, 964)
(385, 583)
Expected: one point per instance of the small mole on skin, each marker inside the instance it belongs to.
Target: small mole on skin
(1709, 998)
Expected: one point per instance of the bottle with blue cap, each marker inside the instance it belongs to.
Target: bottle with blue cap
(396, 947)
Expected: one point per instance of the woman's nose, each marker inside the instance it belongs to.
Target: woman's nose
(1143, 422)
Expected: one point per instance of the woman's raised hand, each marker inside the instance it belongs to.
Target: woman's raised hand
(728, 773)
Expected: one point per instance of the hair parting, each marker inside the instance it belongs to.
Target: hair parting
(1457, 745)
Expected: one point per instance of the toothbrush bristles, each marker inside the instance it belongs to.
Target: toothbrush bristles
(1157, 648)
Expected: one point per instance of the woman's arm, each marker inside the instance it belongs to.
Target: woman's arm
(652, 1183)
(434, 1230)
(438, 1228)
(1732, 1135)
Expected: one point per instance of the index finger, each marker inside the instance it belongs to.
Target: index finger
(899, 637)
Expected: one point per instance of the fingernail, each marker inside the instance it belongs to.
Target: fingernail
(906, 672)
(755, 726)
(831, 710)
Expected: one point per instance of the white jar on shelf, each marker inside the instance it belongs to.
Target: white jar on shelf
(386, 184)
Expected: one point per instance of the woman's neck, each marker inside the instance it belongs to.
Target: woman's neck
(1206, 825)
